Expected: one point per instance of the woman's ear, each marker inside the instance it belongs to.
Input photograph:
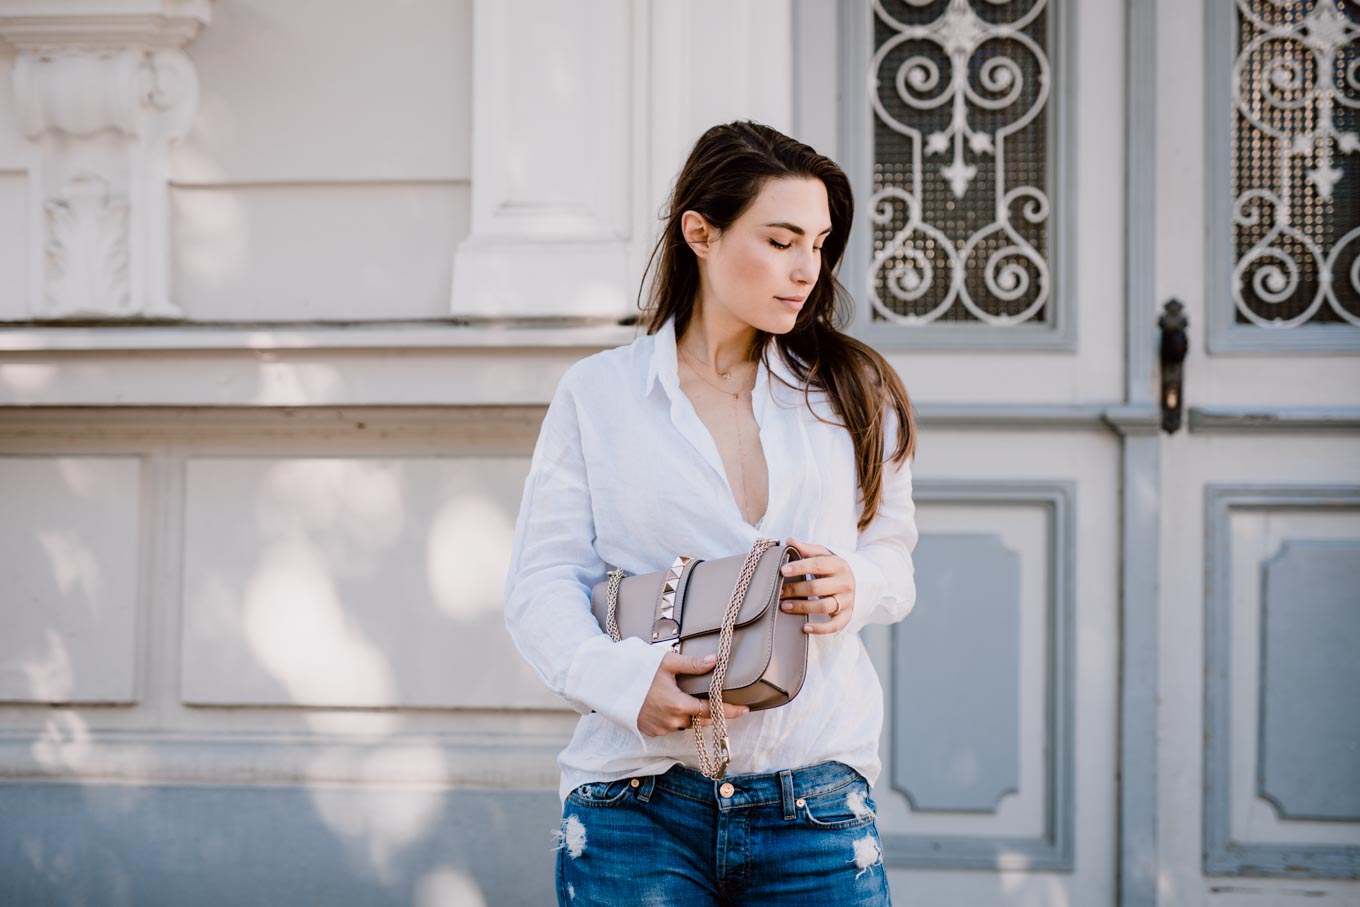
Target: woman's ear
(698, 232)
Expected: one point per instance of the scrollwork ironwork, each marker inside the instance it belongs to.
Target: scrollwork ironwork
(958, 80)
(1295, 89)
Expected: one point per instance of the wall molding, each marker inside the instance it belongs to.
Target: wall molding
(482, 334)
(1276, 419)
(65, 752)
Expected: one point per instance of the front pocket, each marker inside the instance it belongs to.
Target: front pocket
(601, 793)
(846, 807)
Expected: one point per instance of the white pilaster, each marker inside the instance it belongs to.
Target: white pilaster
(554, 150)
(101, 91)
(583, 111)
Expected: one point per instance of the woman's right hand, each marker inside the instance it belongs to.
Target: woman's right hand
(667, 708)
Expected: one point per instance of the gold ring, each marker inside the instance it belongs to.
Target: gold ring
(838, 605)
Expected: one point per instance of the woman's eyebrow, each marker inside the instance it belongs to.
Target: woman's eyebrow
(796, 229)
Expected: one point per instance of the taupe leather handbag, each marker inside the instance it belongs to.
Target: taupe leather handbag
(727, 606)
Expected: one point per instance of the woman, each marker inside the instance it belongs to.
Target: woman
(742, 413)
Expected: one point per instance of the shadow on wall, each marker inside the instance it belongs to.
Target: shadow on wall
(347, 609)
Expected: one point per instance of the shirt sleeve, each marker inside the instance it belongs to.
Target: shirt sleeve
(553, 566)
(885, 576)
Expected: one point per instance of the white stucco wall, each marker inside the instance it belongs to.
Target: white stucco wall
(263, 541)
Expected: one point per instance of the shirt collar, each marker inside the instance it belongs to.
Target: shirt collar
(663, 360)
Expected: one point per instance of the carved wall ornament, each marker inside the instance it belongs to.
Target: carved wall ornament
(87, 249)
(101, 97)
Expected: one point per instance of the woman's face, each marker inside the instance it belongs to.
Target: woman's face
(761, 269)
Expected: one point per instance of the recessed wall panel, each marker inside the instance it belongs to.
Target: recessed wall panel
(70, 547)
(316, 253)
(297, 91)
(14, 302)
(351, 582)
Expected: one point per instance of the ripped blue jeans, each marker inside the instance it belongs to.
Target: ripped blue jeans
(804, 836)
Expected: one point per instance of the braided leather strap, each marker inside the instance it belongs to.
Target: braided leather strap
(714, 764)
(612, 620)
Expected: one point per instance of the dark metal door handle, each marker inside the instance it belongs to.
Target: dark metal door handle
(1173, 348)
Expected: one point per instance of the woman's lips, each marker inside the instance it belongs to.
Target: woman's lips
(793, 303)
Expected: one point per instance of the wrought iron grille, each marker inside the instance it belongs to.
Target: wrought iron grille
(960, 205)
(1296, 163)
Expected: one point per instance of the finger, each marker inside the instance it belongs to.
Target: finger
(805, 588)
(816, 564)
(731, 710)
(827, 627)
(807, 549)
(810, 606)
(676, 663)
(734, 710)
(687, 709)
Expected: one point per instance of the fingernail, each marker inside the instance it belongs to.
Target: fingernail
(787, 570)
(787, 606)
(710, 658)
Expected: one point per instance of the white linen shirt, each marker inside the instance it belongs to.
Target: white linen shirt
(625, 474)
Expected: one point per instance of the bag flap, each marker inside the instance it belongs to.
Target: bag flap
(710, 586)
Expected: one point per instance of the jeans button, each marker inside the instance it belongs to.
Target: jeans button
(727, 789)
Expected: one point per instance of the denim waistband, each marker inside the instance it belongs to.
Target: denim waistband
(756, 789)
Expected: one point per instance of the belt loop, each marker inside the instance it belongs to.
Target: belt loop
(786, 793)
(644, 791)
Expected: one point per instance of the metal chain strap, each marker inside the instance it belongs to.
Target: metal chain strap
(714, 764)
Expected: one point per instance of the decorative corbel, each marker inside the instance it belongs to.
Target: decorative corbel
(101, 97)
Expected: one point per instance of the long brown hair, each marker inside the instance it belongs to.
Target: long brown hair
(726, 170)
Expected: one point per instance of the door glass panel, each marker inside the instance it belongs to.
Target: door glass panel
(1296, 163)
(961, 162)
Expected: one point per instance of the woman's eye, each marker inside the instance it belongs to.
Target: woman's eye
(782, 246)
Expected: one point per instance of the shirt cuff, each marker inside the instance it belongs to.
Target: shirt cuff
(868, 590)
(615, 677)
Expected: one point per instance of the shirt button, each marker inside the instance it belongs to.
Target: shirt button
(727, 789)
(635, 782)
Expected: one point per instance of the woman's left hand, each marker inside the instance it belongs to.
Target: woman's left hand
(834, 586)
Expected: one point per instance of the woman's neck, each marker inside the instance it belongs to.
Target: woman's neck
(718, 340)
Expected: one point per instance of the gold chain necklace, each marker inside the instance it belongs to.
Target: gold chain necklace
(745, 505)
(697, 374)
